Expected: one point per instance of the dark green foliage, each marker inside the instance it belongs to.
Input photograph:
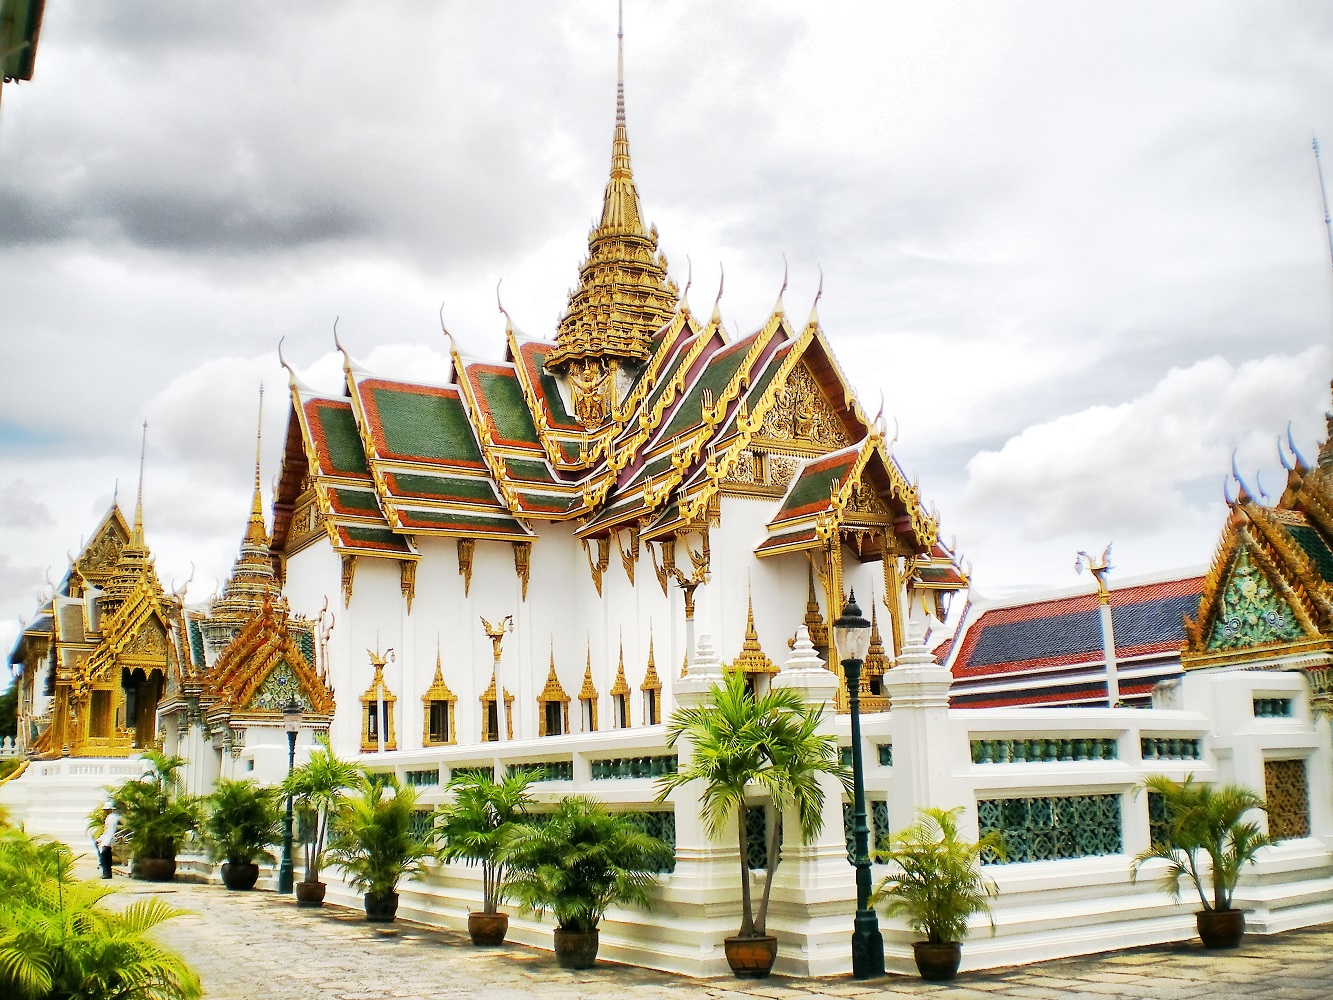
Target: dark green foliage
(473, 827)
(580, 860)
(1204, 821)
(157, 817)
(938, 883)
(374, 841)
(318, 787)
(58, 943)
(772, 744)
(243, 821)
(9, 711)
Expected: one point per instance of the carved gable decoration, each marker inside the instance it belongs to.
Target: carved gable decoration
(278, 689)
(1251, 612)
(149, 643)
(802, 415)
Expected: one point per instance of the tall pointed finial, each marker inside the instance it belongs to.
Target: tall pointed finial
(1323, 194)
(255, 531)
(137, 539)
(620, 64)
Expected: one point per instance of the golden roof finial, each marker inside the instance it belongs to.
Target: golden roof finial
(651, 682)
(588, 691)
(623, 296)
(136, 539)
(255, 530)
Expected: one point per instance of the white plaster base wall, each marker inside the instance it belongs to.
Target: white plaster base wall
(53, 798)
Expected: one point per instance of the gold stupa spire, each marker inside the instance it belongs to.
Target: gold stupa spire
(136, 537)
(623, 296)
(252, 583)
(752, 659)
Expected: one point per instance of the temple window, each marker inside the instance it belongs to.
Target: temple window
(553, 706)
(752, 662)
(620, 692)
(438, 710)
(588, 700)
(490, 715)
(377, 713)
(652, 690)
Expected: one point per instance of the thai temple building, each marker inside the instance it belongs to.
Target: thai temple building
(539, 560)
(641, 473)
(1048, 650)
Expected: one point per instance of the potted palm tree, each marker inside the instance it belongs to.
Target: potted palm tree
(473, 828)
(938, 887)
(771, 742)
(243, 820)
(576, 862)
(375, 843)
(318, 787)
(156, 816)
(1206, 821)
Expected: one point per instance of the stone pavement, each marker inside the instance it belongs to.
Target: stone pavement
(256, 946)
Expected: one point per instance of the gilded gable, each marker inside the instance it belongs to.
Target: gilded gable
(803, 416)
(1251, 612)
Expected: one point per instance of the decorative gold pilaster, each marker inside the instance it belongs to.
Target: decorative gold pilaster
(349, 573)
(466, 547)
(407, 580)
(893, 585)
(523, 563)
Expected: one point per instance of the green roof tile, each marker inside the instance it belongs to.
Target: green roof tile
(425, 425)
(508, 408)
(815, 486)
(715, 378)
(337, 426)
(1315, 548)
(356, 500)
(532, 471)
(471, 488)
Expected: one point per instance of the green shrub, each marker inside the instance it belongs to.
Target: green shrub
(57, 942)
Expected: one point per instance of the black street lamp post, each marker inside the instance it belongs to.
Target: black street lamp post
(291, 720)
(852, 637)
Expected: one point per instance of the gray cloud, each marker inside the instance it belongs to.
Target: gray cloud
(1031, 221)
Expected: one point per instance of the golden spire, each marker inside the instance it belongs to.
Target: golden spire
(651, 682)
(588, 690)
(814, 620)
(752, 659)
(877, 660)
(252, 583)
(623, 296)
(621, 686)
(136, 539)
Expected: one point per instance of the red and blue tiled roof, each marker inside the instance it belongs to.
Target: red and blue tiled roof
(1049, 652)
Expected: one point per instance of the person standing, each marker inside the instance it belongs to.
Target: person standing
(110, 824)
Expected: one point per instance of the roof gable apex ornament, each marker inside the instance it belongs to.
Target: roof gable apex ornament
(1301, 464)
(778, 308)
(814, 306)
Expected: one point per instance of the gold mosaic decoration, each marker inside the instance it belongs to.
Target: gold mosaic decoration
(1287, 793)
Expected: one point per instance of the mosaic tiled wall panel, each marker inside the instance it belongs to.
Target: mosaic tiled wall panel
(756, 835)
(1048, 828)
(1287, 791)
(659, 823)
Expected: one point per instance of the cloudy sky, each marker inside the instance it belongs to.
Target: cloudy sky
(1078, 247)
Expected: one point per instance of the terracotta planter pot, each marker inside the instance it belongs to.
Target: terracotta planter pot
(310, 893)
(751, 957)
(937, 963)
(381, 907)
(156, 869)
(575, 949)
(239, 877)
(488, 929)
(1220, 928)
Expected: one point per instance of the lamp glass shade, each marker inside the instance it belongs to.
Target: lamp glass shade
(291, 716)
(851, 632)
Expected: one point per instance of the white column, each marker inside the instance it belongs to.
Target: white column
(1108, 651)
(923, 743)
